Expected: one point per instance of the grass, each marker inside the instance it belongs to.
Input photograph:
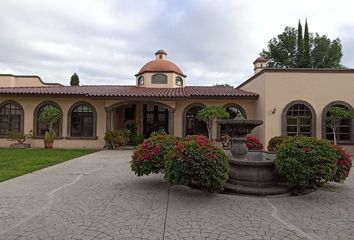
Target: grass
(17, 162)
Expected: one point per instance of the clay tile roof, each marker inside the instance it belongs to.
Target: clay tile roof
(129, 91)
(160, 51)
(160, 65)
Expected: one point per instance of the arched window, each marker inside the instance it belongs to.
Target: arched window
(299, 118)
(344, 132)
(39, 128)
(179, 81)
(82, 121)
(159, 79)
(11, 118)
(193, 126)
(141, 81)
(233, 110)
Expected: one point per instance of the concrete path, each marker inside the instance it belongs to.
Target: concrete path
(98, 197)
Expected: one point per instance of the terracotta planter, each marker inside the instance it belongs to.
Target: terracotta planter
(48, 144)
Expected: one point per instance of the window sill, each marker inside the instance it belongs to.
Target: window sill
(57, 138)
(82, 138)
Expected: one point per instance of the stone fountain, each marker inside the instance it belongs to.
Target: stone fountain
(250, 172)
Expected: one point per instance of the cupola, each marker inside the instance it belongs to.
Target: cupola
(259, 64)
(160, 73)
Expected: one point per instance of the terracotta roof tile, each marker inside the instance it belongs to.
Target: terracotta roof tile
(129, 91)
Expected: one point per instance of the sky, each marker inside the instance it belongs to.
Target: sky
(108, 41)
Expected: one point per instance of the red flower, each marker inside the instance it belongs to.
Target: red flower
(155, 150)
(307, 149)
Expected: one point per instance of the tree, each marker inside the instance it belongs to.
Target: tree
(210, 114)
(290, 50)
(306, 58)
(282, 51)
(74, 80)
(334, 118)
(300, 49)
(49, 116)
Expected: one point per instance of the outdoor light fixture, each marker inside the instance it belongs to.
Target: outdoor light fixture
(274, 110)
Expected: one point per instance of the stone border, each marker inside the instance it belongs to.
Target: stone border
(94, 121)
(186, 109)
(22, 119)
(35, 118)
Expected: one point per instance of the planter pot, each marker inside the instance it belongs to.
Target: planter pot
(48, 144)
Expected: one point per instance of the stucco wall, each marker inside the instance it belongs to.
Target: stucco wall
(171, 80)
(8, 80)
(316, 88)
(29, 104)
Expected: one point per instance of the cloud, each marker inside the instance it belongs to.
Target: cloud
(108, 41)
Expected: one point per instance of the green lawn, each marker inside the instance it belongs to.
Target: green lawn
(17, 162)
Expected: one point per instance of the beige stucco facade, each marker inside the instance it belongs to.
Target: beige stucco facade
(272, 91)
(29, 105)
(277, 88)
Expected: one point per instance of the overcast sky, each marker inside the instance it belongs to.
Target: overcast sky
(108, 41)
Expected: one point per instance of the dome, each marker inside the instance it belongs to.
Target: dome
(260, 59)
(160, 65)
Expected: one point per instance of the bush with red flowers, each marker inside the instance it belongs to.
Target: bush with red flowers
(253, 143)
(197, 161)
(149, 156)
(344, 164)
(306, 162)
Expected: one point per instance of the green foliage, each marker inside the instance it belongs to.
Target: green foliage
(282, 51)
(306, 162)
(275, 142)
(50, 135)
(290, 50)
(197, 160)
(19, 136)
(149, 157)
(344, 164)
(49, 116)
(135, 137)
(335, 116)
(118, 137)
(306, 58)
(210, 114)
(300, 45)
(74, 80)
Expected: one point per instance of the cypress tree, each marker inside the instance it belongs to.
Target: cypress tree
(306, 56)
(300, 48)
(74, 80)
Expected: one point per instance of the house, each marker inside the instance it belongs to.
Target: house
(288, 101)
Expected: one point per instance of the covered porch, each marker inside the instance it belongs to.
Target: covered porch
(145, 116)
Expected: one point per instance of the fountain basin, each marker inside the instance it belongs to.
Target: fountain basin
(254, 175)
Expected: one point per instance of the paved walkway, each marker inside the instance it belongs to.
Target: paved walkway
(98, 197)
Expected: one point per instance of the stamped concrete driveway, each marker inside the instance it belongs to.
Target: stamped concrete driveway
(98, 197)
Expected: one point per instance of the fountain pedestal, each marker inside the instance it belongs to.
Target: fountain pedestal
(250, 173)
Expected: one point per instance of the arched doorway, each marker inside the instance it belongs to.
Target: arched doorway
(192, 125)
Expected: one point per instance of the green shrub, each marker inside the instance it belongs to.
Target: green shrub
(344, 164)
(118, 137)
(275, 142)
(196, 160)
(305, 162)
(149, 157)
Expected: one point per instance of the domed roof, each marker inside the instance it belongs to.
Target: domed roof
(160, 65)
(160, 51)
(260, 59)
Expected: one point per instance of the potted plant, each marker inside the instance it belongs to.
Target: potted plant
(20, 138)
(49, 116)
